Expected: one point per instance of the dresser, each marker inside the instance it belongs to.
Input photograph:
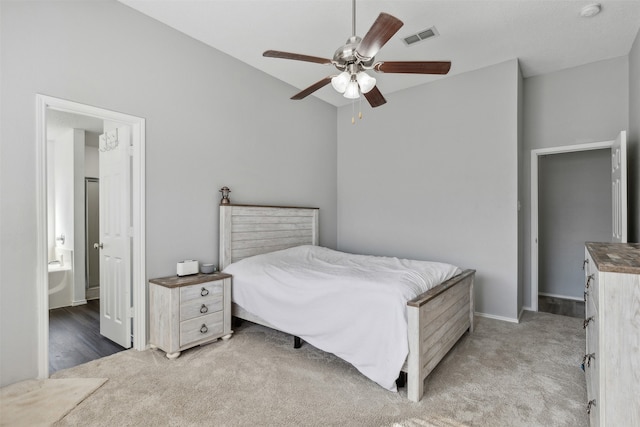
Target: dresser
(188, 311)
(612, 327)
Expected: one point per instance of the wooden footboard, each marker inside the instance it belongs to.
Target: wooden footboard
(437, 320)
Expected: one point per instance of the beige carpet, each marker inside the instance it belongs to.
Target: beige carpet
(504, 374)
(43, 402)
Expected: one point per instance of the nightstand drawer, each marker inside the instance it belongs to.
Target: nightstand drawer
(201, 328)
(201, 307)
(200, 291)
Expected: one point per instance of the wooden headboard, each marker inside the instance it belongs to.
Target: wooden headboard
(253, 230)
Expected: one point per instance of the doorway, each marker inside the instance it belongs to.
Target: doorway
(73, 212)
(618, 200)
(574, 206)
(136, 312)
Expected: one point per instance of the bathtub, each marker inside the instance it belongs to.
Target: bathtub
(61, 279)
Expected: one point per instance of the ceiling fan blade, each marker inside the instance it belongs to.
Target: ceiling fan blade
(314, 87)
(375, 98)
(380, 32)
(413, 67)
(295, 56)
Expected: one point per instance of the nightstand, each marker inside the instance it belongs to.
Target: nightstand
(188, 311)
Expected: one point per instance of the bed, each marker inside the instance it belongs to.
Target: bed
(434, 319)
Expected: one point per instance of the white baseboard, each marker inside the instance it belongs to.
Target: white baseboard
(93, 293)
(493, 316)
(544, 294)
(80, 302)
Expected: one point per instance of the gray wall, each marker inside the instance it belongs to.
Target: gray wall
(521, 190)
(574, 208)
(585, 104)
(211, 121)
(433, 175)
(633, 143)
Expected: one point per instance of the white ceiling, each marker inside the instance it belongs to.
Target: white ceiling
(545, 35)
(59, 122)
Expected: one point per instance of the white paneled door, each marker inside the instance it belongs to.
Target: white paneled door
(115, 239)
(619, 188)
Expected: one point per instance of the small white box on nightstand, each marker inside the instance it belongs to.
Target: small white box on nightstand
(187, 267)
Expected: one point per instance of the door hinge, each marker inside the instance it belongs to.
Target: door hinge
(131, 150)
(130, 232)
(130, 313)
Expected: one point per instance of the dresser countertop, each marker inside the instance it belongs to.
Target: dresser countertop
(616, 257)
(193, 279)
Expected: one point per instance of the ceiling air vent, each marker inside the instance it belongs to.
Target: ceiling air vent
(421, 35)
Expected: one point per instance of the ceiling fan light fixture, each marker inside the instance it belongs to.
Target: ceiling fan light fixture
(341, 81)
(357, 55)
(365, 81)
(352, 91)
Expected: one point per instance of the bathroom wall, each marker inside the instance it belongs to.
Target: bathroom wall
(51, 199)
(61, 218)
(63, 190)
(91, 168)
(66, 217)
(78, 219)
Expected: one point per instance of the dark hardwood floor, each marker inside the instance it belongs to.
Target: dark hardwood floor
(74, 336)
(564, 307)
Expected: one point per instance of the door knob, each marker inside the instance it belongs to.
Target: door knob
(98, 246)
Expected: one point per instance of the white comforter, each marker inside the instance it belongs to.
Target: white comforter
(353, 306)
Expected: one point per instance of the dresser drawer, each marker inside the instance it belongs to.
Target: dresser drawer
(200, 291)
(591, 282)
(592, 364)
(201, 328)
(201, 307)
(594, 290)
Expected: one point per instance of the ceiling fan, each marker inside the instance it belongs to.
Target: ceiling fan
(357, 56)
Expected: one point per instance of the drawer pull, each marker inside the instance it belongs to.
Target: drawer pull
(590, 404)
(204, 309)
(204, 329)
(585, 262)
(585, 296)
(587, 358)
(204, 292)
(585, 323)
(589, 279)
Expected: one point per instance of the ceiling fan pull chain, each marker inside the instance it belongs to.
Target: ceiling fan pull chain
(353, 111)
(360, 107)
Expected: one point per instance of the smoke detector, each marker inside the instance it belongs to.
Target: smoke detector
(590, 10)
